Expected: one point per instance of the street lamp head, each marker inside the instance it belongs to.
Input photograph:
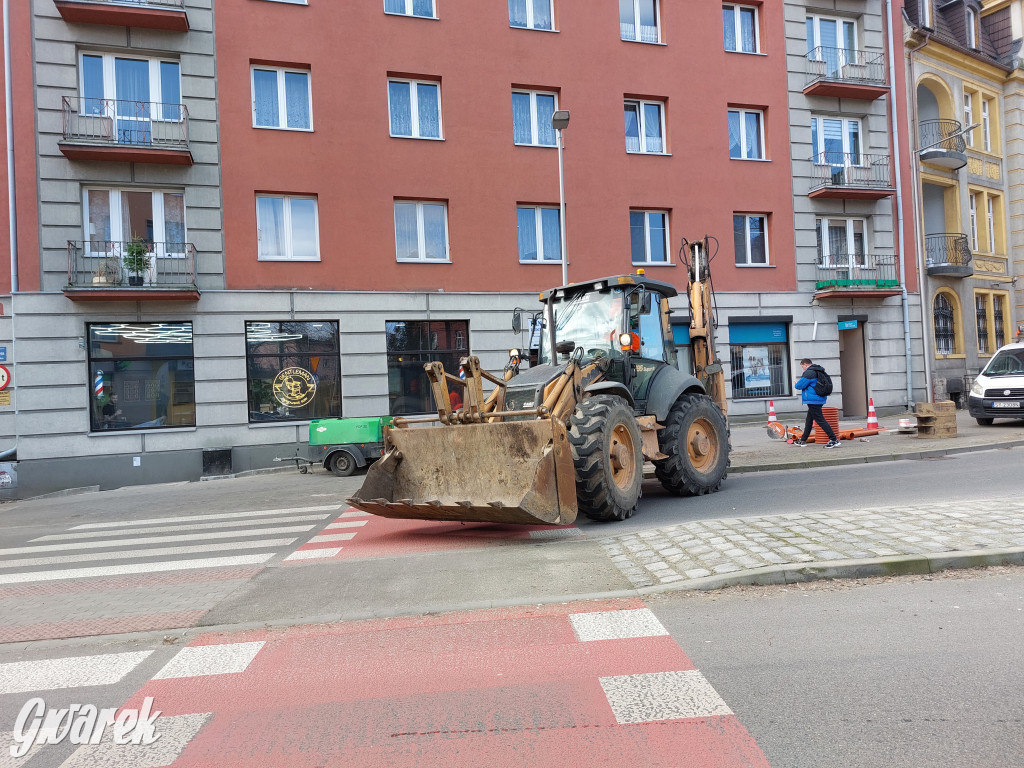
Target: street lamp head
(560, 119)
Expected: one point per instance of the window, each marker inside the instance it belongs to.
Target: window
(540, 236)
(740, 25)
(750, 238)
(991, 310)
(639, 21)
(986, 128)
(972, 28)
(531, 118)
(981, 318)
(944, 314)
(293, 370)
(422, 8)
(969, 117)
(114, 217)
(530, 14)
(645, 127)
(974, 221)
(287, 228)
(142, 376)
(411, 344)
(415, 108)
(746, 134)
(648, 237)
(841, 242)
(990, 219)
(759, 356)
(832, 41)
(132, 94)
(281, 98)
(836, 141)
(421, 231)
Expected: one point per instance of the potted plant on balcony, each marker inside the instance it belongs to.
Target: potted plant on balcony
(136, 260)
(108, 272)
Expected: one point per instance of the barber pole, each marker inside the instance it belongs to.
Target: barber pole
(97, 386)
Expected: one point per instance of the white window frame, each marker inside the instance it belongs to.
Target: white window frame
(743, 132)
(409, 10)
(118, 230)
(986, 127)
(647, 212)
(973, 205)
(282, 105)
(637, 35)
(110, 79)
(640, 104)
(421, 238)
(531, 22)
(747, 241)
(816, 20)
(990, 214)
(738, 29)
(534, 126)
(827, 260)
(539, 231)
(819, 130)
(972, 28)
(969, 117)
(287, 225)
(414, 117)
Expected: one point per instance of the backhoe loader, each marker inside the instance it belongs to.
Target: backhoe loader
(569, 435)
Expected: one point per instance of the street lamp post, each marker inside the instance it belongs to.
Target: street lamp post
(560, 121)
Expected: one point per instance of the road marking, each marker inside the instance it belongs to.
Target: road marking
(313, 554)
(83, 557)
(185, 527)
(133, 568)
(226, 659)
(71, 672)
(355, 513)
(347, 524)
(616, 625)
(655, 696)
(219, 516)
(154, 540)
(175, 734)
(332, 537)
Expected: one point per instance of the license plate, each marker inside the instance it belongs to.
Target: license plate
(998, 404)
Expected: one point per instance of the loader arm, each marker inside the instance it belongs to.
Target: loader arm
(706, 365)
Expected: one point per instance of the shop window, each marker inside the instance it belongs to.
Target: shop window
(142, 376)
(410, 345)
(759, 353)
(293, 370)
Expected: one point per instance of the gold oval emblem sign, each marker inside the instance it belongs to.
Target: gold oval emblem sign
(294, 387)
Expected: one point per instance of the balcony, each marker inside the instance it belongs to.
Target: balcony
(125, 131)
(948, 255)
(845, 74)
(145, 14)
(942, 143)
(96, 272)
(857, 276)
(845, 176)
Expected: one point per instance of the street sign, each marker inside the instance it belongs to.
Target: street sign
(5, 377)
(3, 354)
(847, 325)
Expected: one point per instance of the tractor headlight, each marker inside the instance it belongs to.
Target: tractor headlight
(513, 353)
(625, 340)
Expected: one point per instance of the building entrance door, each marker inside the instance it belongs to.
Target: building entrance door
(853, 371)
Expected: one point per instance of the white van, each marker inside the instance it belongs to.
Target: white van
(998, 391)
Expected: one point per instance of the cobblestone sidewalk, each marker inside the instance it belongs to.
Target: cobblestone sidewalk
(720, 548)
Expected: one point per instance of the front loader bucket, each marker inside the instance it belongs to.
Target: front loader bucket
(518, 472)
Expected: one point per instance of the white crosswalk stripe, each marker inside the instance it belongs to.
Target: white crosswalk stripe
(152, 545)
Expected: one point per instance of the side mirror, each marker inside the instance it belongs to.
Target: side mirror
(517, 321)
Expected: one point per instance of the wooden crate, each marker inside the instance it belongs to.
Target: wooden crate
(936, 425)
(939, 408)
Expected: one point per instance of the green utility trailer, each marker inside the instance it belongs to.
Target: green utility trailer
(341, 445)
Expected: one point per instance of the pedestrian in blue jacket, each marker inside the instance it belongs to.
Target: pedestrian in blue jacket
(813, 401)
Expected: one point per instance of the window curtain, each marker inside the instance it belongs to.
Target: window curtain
(753, 126)
(735, 146)
(542, 14)
(632, 113)
(545, 109)
(270, 212)
(423, 7)
(517, 13)
(434, 232)
(648, 21)
(526, 224)
(749, 37)
(174, 224)
(729, 27)
(264, 86)
(303, 234)
(131, 83)
(400, 96)
(652, 128)
(627, 20)
(406, 237)
(98, 235)
(296, 99)
(552, 234)
(92, 85)
(521, 118)
(427, 110)
(394, 6)
(837, 245)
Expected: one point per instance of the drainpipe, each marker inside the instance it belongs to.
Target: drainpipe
(9, 102)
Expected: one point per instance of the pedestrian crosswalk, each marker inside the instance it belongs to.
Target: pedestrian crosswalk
(157, 544)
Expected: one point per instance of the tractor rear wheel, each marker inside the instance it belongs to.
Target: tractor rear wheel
(605, 441)
(696, 441)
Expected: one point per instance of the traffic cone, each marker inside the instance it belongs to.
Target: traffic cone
(872, 418)
(771, 412)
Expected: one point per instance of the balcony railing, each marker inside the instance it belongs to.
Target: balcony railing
(845, 171)
(855, 272)
(948, 253)
(838, 71)
(145, 14)
(101, 264)
(120, 122)
(942, 134)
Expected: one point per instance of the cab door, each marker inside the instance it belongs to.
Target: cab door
(646, 320)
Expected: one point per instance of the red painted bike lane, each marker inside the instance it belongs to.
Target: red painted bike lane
(579, 684)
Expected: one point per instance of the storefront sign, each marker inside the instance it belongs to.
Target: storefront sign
(847, 325)
(294, 387)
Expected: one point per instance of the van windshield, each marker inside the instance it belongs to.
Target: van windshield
(1007, 362)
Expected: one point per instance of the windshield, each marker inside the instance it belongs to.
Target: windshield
(1007, 362)
(592, 321)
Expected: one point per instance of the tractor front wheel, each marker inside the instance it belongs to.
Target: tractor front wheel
(696, 441)
(605, 441)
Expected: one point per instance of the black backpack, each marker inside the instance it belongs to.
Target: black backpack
(823, 386)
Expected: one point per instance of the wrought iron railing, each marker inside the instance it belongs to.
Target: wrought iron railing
(120, 122)
(102, 264)
(941, 134)
(842, 169)
(947, 248)
(858, 271)
(845, 65)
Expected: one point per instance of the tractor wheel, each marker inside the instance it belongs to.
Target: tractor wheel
(696, 441)
(605, 441)
(342, 464)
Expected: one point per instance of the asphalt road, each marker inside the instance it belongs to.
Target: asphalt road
(915, 672)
